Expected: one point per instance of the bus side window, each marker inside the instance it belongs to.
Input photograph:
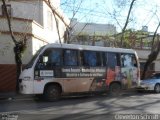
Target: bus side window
(55, 58)
(49, 59)
(70, 57)
(128, 60)
(105, 59)
(134, 61)
(90, 58)
(113, 60)
(43, 59)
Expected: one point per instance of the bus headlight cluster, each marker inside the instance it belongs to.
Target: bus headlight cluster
(27, 78)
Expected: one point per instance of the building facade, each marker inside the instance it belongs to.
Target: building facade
(33, 20)
(91, 33)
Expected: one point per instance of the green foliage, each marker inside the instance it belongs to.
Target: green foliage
(132, 37)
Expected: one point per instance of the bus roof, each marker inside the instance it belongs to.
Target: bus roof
(87, 47)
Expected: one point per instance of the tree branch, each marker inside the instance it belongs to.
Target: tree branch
(127, 21)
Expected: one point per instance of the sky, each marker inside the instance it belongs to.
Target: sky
(144, 12)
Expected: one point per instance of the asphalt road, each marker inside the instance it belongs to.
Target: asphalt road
(80, 108)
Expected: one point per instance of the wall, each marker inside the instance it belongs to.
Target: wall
(30, 19)
(32, 9)
(92, 28)
(7, 78)
(143, 55)
(54, 38)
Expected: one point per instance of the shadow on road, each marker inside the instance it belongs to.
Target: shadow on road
(105, 102)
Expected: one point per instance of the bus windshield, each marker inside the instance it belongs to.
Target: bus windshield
(30, 64)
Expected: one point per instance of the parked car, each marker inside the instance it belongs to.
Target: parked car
(151, 84)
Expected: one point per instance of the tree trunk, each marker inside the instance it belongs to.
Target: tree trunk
(154, 53)
(18, 60)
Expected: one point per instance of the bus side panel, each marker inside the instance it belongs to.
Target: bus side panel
(77, 84)
(80, 79)
(127, 76)
(39, 84)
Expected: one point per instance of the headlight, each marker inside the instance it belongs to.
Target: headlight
(27, 78)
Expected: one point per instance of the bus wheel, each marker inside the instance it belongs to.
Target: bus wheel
(115, 89)
(157, 88)
(52, 93)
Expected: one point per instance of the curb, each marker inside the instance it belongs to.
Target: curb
(7, 95)
(14, 96)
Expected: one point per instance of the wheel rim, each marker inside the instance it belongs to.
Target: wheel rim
(115, 89)
(157, 88)
(53, 94)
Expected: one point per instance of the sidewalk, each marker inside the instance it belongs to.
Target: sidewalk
(14, 96)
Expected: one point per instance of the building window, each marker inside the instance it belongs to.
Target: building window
(50, 20)
(9, 10)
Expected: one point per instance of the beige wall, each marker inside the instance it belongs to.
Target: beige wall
(37, 10)
(29, 18)
(18, 25)
(27, 9)
(54, 38)
(36, 37)
(6, 50)
(7, 53)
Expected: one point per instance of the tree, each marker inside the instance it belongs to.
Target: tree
(19, 46)
(75, 7)
(153, 54)
(127, 21)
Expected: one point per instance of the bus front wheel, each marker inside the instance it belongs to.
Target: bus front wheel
(115, 89)
(52, 93)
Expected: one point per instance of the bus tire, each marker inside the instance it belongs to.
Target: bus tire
(115, 89)
(52, 93)
(38, 97)
(157, 88)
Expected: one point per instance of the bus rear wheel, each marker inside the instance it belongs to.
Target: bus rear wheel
(115, 89)
(52, 93)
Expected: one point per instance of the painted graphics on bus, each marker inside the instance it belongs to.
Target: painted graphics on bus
(117, 67)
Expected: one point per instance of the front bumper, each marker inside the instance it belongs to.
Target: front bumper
(146, 87)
